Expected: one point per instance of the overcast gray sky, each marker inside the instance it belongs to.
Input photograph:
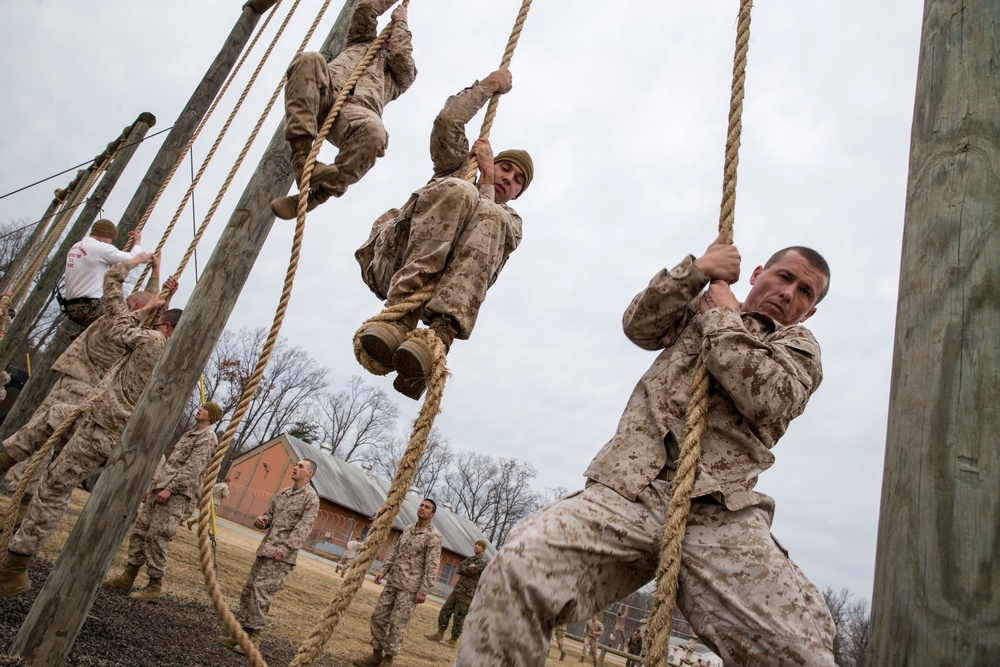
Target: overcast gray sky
(623, 107)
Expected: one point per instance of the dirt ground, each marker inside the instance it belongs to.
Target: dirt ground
(181, 629)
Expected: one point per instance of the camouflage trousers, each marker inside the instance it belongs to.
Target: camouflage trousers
(617, 638)
(589, 648)
(266, 578)
(66, 394)
(446, 233)
(390, 617)
(455, 608)
(737, 587)
(560, 636)
(88, 446)
(154, 530)
(85, 313)
(357, 131)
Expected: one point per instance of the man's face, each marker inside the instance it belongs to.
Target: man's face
(479, 549)
(302, 470)
(787, 291)
(165, 328)
(201, 414)
(425, 511)
(508, 181)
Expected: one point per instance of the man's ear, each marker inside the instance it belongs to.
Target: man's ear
(805, 317)
(755, 274)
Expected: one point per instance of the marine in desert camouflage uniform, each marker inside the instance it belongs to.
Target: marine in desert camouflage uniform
(409, 571)
(288, 520)
(559, 633)
(312, 87)
(82, 365)
(453, 233)
(96, 431)
(457, 604)
(175, 483)
(591, 636)
(737, 587)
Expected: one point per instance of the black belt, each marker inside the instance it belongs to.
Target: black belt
(82, 299)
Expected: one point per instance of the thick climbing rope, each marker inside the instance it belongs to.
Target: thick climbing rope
(23, 283)
(47, 224)
(661, 617)
(222, 133)
(201, 126)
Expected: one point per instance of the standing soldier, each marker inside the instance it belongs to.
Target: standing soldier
(560, 634)
(410, 569)
(176, 482)
(591, 633)
(288, 520)
(457, 604)
(350, 553)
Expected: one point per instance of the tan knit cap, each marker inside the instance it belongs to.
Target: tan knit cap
(522, 160)
(214, 411)
(105, 229)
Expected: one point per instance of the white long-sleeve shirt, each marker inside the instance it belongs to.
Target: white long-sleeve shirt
(87, 262)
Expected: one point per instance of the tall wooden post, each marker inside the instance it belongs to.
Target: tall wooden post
(42, 377)
(937, 570)
(54, 620)
(125, 145)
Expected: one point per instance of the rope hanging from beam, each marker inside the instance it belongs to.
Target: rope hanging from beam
(661, 617)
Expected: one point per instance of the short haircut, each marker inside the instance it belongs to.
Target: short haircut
(312, 464)
(433, 504)
(814, 258)
(172, 316)
(139, 299)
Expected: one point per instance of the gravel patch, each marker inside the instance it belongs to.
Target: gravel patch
(121, 631)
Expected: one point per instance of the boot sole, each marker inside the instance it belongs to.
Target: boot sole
(412, 388)
(381, 341)
(13, 592)
(412, 361)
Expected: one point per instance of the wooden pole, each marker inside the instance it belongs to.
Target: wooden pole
(937, 570)
(42, 377)
(30, 243)
(125, 145)
(53, 622)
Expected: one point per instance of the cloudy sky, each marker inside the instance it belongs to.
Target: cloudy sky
(623, 106)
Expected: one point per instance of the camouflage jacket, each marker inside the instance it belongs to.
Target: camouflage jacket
(291, 516)
(184, 471)
(469, 571)
(761, 377)
(593, 629)
(94, 351)
(412, 562)
(119, 391)
(450, 155)
(390, 73)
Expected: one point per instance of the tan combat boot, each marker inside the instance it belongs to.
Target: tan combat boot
(381, 339)
(254, 636)
(14, 575)
(6, 462)
(151, 593)
(435, 636)
(414, 359)
(124, 581)
(386, 661)
(373, 660)
(452, 641)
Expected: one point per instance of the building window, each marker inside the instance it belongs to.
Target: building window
(447, 572)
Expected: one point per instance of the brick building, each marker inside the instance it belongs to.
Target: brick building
(349, 497)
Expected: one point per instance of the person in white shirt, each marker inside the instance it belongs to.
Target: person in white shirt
(86, 263)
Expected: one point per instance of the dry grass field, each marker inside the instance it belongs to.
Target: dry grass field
(181, 629)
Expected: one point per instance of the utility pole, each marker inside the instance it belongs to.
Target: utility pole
(55, 619)
(937, 572)
(42, 377)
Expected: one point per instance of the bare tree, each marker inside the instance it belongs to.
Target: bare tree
(290, 383)
(493, 493)
(852, 620)
(355, 420)
(433, 464)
